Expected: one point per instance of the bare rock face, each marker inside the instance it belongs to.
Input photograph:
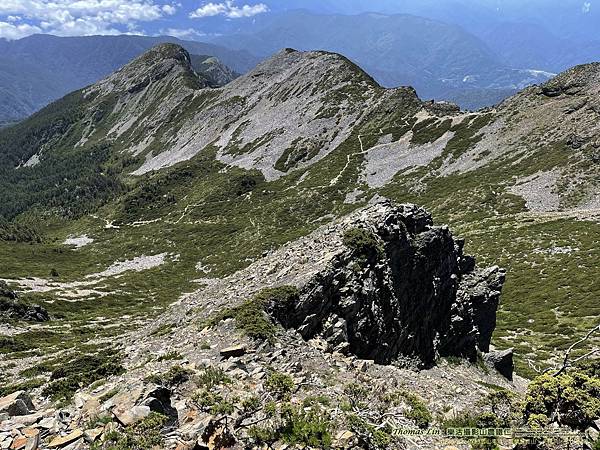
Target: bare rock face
(214, 71)
(402, 291)
(573, 81)
(165, 61)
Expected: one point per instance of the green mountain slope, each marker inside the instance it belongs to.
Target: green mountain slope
(150, 182)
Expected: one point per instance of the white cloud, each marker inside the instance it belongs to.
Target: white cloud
(186, 34)
(169, 9)
(209, 10)
(228, 9)
(11, 31)
(80, 17)
(586, 7)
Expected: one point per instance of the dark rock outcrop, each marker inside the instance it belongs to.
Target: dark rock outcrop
(402, 291)
(16, 404)
(12, 308)
(502, 361)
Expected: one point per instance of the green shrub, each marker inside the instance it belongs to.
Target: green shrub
(316, 400)
(9, 344)
(418, 411)
(16, 232)
(24, 386)
(295, 426)
(371, 436)
(170, 356)
(251, 318)
(571, 399)
(81, 372)
(36, 370)
(213, 376)
(429, 130)
(364, 243)
(176, 375)
(590, 367)
(250, 404)
(356, 394)
(302, 427)
(142, 436)
(163, 330)
(108, 395)
(280, 385)
(213, 402)
(503, 405)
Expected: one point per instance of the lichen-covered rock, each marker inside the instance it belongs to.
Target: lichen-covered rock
(413, 295)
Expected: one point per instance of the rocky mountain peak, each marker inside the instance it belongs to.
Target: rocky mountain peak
(164, 61)
(311, 64)
(213, 70)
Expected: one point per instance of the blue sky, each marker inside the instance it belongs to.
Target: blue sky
(20, 18)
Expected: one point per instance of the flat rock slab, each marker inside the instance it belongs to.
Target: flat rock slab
(18, 443)
(61, 441)
(128, 416)
(93, 434)
(235, 351)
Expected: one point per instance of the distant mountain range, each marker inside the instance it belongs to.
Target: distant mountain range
(39, 69)
(476, 58)
(440, 61)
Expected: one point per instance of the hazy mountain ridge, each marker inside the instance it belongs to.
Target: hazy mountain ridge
(441, 61)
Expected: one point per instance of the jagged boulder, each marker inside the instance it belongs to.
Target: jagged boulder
(401, 291)
(12, 308)
(136, 403)
(502, 361)
(16, 404)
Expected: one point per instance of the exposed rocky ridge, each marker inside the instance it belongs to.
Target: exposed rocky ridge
(40, 69)
(416, 296)
(293, 100)
(296, 108)
(166, 60)
(216, 73)
(418, 300)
